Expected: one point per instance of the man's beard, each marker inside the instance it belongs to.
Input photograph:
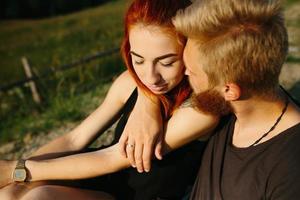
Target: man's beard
(211, 102)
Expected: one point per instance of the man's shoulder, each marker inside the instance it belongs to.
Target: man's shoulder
(287, 148)
(292, 135)
(284, 179)
(292, 138)
(220, 134)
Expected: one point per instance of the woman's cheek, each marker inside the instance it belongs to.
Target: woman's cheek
(139, 73)
(178, 73)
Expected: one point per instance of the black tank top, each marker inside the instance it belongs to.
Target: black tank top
(168, 179)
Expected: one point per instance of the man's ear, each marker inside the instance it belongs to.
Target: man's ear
(231, 92)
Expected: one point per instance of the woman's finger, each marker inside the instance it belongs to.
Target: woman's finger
(130, 152)
(158, 149)
(138, 155)
(147, 156)
(122, 144)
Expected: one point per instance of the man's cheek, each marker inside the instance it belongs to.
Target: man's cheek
(195, 85)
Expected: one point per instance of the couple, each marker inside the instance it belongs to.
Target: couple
(233, 53)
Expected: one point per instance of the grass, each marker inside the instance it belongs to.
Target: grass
(291, 2)
(75, 93)
(58, 40)
(67, 96)
(292, 59)
(62, 109)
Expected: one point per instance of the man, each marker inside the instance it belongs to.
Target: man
(233, 56)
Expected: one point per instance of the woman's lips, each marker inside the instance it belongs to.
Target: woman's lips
(157, 88)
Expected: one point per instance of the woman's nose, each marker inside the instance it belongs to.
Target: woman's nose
(154, 77)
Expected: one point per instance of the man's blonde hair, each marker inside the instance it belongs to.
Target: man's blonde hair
(240, 41)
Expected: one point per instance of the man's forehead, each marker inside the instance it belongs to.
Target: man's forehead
(191, 46)
(192, 41)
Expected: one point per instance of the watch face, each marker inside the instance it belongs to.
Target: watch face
(19, 175)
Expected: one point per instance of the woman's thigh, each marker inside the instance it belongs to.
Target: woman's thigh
(16, 191)
(56, 192)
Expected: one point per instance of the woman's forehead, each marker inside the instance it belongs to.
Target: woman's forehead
(152, 40)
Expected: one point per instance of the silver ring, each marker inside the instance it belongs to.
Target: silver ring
(130, 145)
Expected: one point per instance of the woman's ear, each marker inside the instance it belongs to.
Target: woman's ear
(231, 92)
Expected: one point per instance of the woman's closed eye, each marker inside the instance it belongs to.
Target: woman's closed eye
(138, 62)
(167, 63)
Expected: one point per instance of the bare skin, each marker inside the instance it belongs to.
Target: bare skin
(61, 192)
(44, 190)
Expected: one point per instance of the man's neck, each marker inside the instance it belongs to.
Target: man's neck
(254, 110)
(256, 116)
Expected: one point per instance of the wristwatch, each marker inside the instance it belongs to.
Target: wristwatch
(20, 172)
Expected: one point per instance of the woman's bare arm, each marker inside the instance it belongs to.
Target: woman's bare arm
(94, 125)
(78, 166)
(184, 126)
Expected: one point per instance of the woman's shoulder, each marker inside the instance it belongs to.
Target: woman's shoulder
(124, 85)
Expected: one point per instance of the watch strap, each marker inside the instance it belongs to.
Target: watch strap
(21, 164)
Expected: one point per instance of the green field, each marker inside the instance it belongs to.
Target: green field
(67, 96)
(58, 40)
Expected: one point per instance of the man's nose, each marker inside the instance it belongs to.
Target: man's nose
(187, 72)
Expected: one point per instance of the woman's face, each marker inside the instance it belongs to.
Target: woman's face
(156, 58)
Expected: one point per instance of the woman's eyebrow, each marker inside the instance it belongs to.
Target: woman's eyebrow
(166, 56)
(158, 58)
(132, 52)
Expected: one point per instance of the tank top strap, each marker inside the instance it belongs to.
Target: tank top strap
(128, 107)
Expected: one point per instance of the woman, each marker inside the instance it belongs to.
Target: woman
(152, 51)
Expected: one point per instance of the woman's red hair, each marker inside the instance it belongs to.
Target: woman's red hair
(158, 13)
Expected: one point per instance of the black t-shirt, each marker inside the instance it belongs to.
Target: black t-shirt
(270, 170)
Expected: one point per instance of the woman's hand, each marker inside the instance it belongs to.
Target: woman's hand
(6, 170)
(143, 134)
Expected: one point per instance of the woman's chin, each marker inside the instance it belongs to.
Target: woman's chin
(159, 90)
